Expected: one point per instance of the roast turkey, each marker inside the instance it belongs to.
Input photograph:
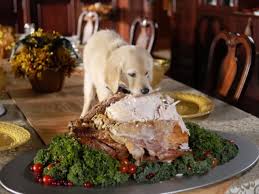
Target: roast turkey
(146, 127)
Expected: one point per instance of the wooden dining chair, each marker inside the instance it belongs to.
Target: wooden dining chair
(206, 30)
(142, 33)
(249, 27)
(228, 73)
(88, 24)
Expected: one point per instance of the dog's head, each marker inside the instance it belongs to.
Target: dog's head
(131, 67)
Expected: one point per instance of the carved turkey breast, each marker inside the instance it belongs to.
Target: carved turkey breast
(146, 127)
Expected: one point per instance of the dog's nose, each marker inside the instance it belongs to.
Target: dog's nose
(144, 90)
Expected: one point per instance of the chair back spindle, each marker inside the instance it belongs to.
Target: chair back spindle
(88, 24)
(249, 28)
(146, 35)
(231, 76)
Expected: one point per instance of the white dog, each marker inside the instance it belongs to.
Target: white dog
(110, 63)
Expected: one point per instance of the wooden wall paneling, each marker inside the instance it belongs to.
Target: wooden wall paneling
(26, 8)
(230, 23)
(255, 22)
(241, 24)
(186, 15)
(54, 15)
(11, 14)
(156, 12)
(128, 10)
(123, 23)
(255, 28)
(78, 5)
(137, 8)
(233, 21)
(183, 41)
(8, 13)
(71, 17)
(248, 4)
(149, 8)
(107, 22)
(19, 26)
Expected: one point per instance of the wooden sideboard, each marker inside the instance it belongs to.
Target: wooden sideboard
(187, 19)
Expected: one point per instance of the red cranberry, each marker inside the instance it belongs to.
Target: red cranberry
(232, 141)
(39, 179)
(132, 168)
(47, 180)
(54, 183)
(65, 183)
(38, 168)
(88, 184)
(70, 184)
(36, 174)
(207, 153)
(150, 176)
(61, 182)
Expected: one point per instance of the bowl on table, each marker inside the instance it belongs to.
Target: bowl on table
(160, 67)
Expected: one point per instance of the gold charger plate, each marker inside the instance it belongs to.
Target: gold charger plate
(192, 105)
(12, 136)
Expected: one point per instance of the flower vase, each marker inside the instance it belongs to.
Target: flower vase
(49, 81)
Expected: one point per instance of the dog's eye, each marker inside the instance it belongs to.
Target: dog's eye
(146, 73)
(132, 74)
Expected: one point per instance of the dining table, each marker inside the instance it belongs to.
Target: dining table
(47, 115)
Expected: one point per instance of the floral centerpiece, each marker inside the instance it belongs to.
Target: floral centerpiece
(45, 58)
(101, 9)
(7, 40)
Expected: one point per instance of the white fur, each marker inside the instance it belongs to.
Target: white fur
(108, 60)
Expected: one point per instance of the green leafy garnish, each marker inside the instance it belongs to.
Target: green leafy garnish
(78, 163)
(203, 141)
(207, 147)
(67, 159)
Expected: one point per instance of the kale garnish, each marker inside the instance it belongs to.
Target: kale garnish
(208, 150)
(78, 163)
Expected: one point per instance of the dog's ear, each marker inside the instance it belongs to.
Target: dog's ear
(112, 74)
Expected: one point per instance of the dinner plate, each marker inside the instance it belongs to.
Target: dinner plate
(12, 136)
(17, 178)
(192, 105)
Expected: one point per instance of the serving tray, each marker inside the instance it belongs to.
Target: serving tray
(17, 178)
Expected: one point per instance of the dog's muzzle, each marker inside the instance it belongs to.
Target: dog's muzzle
(123, 90)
